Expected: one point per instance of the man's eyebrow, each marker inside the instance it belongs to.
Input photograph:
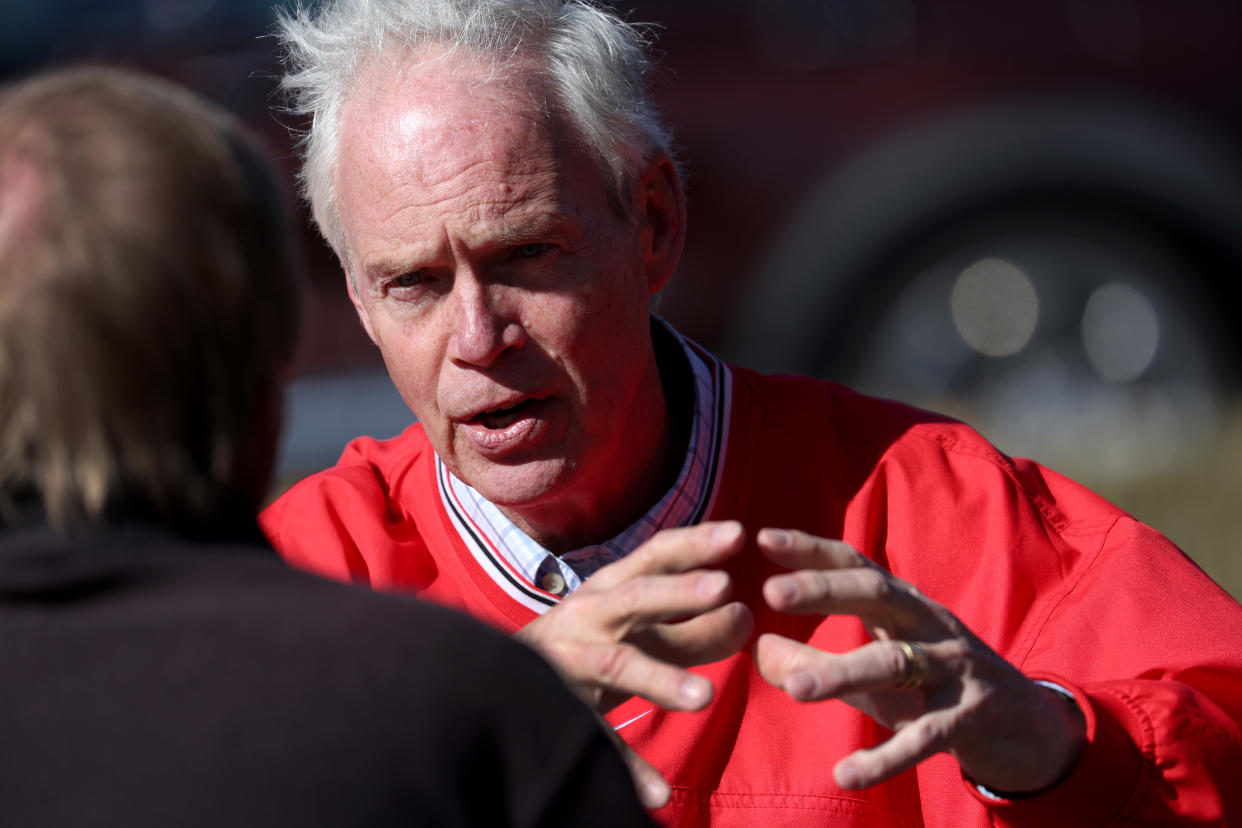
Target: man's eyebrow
(387, 265)
(534, 228)
(511, 233)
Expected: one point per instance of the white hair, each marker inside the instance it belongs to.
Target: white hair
(595, 64)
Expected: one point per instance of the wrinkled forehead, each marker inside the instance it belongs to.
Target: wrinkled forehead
(417, 128)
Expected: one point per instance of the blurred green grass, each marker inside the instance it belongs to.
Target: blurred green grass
(1197, 504)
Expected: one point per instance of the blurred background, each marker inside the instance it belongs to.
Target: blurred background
(1026, 214)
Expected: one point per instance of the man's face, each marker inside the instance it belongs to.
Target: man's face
(508, 299)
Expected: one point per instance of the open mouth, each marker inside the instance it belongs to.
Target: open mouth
(504, 417)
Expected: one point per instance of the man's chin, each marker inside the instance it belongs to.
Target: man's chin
(516, 485)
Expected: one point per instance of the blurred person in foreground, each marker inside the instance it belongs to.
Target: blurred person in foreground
(162, 665)
(1009, 648)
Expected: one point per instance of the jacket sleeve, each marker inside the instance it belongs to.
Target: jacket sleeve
(1068, 587)
(1150, 648)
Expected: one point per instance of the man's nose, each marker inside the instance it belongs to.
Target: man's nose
(483, 326)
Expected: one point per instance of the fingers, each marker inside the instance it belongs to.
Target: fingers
(807, 674)
(617, 671)
(856, 591)
(879, 667)
(925, 675)
(778, 658)
(635, 624)
(702, 639)
(834, 578)
(672, 551)
(910, 745)
(798, 550)
(650, 662)
(655, 598)
(831, 576)
(606, 671)
(639, 604)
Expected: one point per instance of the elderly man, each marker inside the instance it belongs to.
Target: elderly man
(162, 666)
(713, 556)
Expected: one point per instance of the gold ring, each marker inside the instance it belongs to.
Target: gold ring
(916, 665)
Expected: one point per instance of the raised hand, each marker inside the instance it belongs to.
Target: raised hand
(925, 676)
(635, 625)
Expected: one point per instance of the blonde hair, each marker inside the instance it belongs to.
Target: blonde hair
(148, 298)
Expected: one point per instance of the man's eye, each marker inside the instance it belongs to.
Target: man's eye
(406, 280)
(529, 251)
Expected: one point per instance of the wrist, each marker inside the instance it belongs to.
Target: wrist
(1073, 725)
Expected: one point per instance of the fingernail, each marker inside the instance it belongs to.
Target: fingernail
(783, 588)
(777, 538)
(694, 690)
(848, 775)
(726, 532)
(712, 584)
(799, 685)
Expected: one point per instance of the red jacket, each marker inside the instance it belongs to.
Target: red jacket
(1059, 582)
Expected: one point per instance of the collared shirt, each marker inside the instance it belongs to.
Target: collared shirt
(683, 504)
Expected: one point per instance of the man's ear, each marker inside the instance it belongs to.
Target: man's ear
(352, 286)
(662, 220)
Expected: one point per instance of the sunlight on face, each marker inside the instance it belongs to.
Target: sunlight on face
(508, 300)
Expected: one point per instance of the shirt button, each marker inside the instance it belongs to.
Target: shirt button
(554, 583)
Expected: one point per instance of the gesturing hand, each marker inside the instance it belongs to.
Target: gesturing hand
(634, 626)
(924, 675)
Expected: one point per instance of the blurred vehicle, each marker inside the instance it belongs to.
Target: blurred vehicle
(1027, 213)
